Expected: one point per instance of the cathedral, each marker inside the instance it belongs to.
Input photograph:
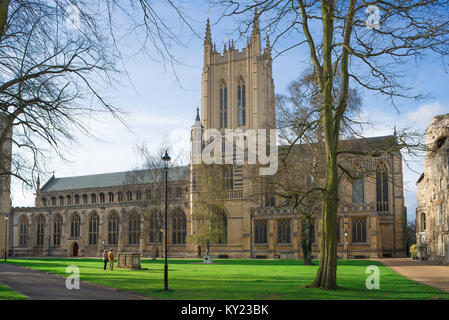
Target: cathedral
(82, 215)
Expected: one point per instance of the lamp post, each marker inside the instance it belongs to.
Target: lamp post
(6, 235)
(166, 158)
(104, 245)
(346, 241)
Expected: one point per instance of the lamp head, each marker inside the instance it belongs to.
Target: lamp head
(166, 157)
(6, 216)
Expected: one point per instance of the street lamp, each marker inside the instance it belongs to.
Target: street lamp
(347, 247)
(166, 158)
(6, 235)
(104, 245)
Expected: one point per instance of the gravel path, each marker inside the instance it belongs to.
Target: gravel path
(435, 275)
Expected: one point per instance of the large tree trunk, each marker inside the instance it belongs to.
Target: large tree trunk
(326, 277)
(307, 243)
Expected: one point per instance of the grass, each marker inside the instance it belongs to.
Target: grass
(9, 294)
(241, 279)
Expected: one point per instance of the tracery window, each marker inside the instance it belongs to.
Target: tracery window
(179, 227)
(284, 230)
(94, 227)
(23, 231)
(40, 230)
(113, 228)
(57, 228)
(358, 191)
(359, 230)
(223, 105)
(75, 226)
(134, 228)
(241, 103)
(260, 231)
(382, 187)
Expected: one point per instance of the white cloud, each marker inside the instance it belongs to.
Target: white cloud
(420, 118)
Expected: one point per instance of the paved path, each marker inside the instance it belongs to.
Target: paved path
(426, 272)
(40, 285)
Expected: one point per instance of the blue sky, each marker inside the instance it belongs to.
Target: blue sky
(160, 111)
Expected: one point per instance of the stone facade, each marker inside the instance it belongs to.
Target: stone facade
(237, 92)
(432, 225)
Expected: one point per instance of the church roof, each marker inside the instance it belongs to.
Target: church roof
(112, 179)
(372, 145)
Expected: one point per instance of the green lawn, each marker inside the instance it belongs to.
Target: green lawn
(241, 279)
(8, 294)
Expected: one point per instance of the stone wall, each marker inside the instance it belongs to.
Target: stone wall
(433, 194)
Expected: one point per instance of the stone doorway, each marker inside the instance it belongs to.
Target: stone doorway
(75, 248)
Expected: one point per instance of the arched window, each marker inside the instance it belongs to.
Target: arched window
(138, 195)
(228, 177)
(94, 227)
(148, 194)
(77, 199)
(113, 229)
(155, 227)
(179, 227)
(57, 227)
(69, 200)
(223, 105)
(284, 229)
(44, 202)
(134, 228)
(358, 191)
(219, 226)
(102, 198)
(129, 196)
(382, 187)
(53, 201)
(84, 198)
(158, 193)
(111, 197)
(241, 103)
(61, 200)
(359, 230)
(40, 230)
(260, 231)
(423, 221)
(23, 231)
(120, 196)
(75, 226)
(93, 198)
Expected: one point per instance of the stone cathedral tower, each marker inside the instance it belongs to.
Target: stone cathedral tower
(237, 85)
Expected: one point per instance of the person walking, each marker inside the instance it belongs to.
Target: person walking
(105, 258)
(111, 260)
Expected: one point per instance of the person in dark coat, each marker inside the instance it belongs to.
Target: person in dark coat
(105, 259)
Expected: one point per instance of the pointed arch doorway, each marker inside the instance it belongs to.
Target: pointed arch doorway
(75, 248)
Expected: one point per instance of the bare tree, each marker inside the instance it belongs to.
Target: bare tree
(343, 35)
(211, 191)
(153, 201)
(56, 60)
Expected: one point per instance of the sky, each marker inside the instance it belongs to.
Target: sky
(162, 109)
